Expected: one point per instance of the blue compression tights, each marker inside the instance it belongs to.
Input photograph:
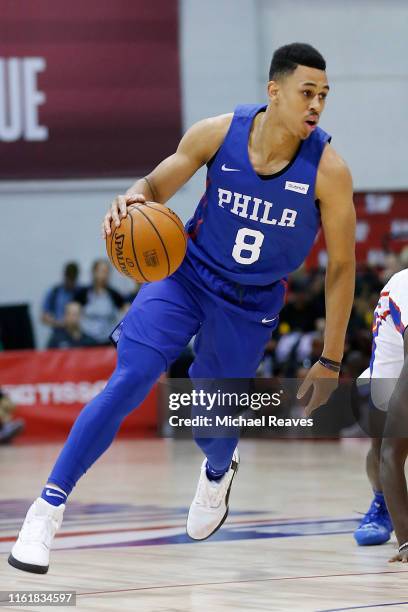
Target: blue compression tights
(138, 368)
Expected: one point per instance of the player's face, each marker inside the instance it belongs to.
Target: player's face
(300, 99)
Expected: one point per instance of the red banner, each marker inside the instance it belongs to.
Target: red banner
(89, 89)
(382, 227)
(51, 387)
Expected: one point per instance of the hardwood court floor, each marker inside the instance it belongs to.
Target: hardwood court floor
(287, 544)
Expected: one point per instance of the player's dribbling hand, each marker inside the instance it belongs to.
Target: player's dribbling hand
(323, 381)
(118, 210)
(400, 556)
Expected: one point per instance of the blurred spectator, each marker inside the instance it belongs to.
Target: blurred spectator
(354, 364)
(312, 355)
(392, 265)
(310, 344)
(300, 312)
(9, 428)
(404, 258)
(71, 334)
(101, 304)
(367, 281)
(57, 297)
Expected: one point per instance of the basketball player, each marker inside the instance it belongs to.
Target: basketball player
(386, 457)
(273, 179)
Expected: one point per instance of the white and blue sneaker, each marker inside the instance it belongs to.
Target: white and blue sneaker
(209, 508)
(376, 526)
(31, 552)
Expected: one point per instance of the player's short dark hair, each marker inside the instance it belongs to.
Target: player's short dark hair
(286, 59)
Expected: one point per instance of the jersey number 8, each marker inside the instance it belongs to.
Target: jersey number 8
(253, 247)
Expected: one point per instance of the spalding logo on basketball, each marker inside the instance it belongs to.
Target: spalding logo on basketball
(149, 244)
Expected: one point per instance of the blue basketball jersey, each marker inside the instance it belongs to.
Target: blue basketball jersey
(252, 230)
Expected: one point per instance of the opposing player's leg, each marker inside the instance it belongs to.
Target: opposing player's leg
(159, 324)
(227, 347)
(373, 464)
(394, 453)
(376, 526)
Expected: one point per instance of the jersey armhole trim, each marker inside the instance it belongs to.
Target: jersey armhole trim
(235, 117)
(212, 160)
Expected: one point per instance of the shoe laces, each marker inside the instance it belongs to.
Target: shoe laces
(210, 492)
(35, 529)
(377, 513)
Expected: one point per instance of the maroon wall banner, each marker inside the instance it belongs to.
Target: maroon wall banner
(382, 227)
(89, 88)
(50, 388)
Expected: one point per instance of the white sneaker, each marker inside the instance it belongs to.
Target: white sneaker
(209, 508)
(31, 552)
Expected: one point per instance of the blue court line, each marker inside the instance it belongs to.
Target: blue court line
(381, 605)
(182, 538)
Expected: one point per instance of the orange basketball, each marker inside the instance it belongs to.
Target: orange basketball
(149, 244)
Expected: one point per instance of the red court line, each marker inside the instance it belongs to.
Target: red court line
(198, 584)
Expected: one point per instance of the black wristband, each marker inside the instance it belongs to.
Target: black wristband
(334, 366)
(331, 361)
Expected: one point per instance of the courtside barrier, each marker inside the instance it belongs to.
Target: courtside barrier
(50, 388)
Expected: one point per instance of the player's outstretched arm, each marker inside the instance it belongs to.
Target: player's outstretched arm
(394, 451)
(195, 149)
(334, 190)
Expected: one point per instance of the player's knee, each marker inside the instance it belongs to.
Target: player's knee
(141, 359)
(129, 385)
(393, 450)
